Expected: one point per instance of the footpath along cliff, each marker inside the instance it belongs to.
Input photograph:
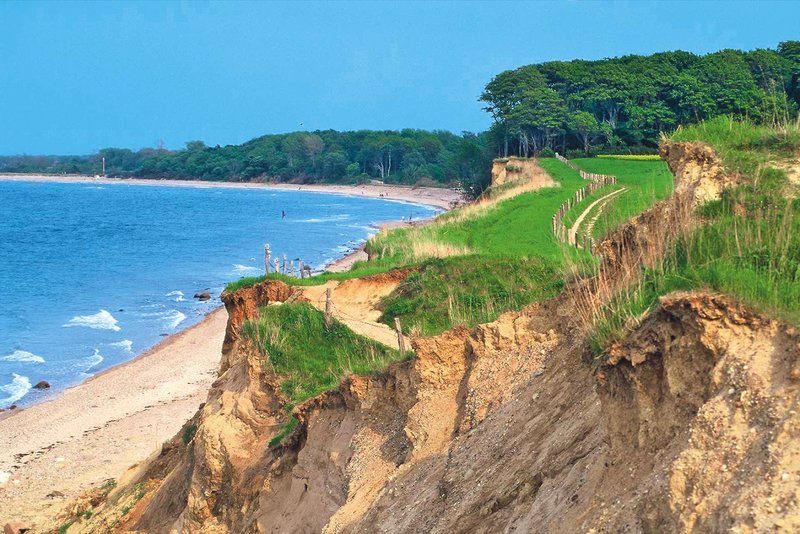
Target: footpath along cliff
(689, 423)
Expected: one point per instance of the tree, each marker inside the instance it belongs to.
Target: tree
(585, 126)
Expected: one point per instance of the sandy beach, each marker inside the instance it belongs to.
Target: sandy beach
(52, 451)
(432, 196)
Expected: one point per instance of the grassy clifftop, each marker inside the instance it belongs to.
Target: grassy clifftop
(747, 243)
(475, 262)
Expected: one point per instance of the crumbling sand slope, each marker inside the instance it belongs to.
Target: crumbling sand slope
(520, 171)
(690, 424)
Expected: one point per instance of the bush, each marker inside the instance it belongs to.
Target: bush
(547, 152)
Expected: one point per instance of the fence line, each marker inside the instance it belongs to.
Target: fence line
(597, 181)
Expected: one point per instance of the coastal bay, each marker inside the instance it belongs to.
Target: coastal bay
(76, 438)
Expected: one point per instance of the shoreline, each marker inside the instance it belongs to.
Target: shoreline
(53, 450)
(74, 439)
(443, 198)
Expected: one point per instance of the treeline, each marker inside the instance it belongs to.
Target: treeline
(413, 157)
(625, 103)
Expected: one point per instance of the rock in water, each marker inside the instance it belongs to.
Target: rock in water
(43, 384)
(204, 295)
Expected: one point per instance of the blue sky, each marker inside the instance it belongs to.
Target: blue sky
(77, 77)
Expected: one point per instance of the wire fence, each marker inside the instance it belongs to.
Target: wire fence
(596, 182)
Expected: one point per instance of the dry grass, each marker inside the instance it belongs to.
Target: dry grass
(421, 249)
(641, 244)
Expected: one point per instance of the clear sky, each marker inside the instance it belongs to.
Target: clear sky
(77, 77)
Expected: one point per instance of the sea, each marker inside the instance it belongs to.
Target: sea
(93, 274)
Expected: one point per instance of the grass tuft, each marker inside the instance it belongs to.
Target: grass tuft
(309, 357)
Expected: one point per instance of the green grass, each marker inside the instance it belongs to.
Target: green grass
(577, 209)
(512, 257)
(468, 290)
(308, 357)
(285, 430)
(749, 244)
(744, 146)
(519, 226)
(631, 157)
(646, 181)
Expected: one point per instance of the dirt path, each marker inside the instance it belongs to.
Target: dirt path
(573, 231)
(355, 304)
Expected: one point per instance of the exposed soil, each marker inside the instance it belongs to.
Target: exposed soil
(355, 303)
(522, 171)
(690, 424)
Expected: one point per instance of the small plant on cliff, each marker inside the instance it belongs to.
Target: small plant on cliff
(188, 433)
(285, 430)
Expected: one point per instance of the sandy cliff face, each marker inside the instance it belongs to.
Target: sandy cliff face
(690, 425)
(519, 170)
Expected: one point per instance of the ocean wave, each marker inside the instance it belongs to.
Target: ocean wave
(332, 218)
(101, 320)
(177, 295)
(23, 356)
(93, 361)
(173, 318)
(245, 269)
(125, 344)
(170, 318)
(16, 389)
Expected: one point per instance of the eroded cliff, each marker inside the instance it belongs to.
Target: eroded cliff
(689, 424)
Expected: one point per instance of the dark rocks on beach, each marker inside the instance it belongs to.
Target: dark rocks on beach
(54, 495)
(12, 407)
(203, 295)
(43, 384)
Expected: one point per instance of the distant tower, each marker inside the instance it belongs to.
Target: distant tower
(104, 165)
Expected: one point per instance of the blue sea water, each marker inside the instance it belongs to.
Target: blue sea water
(91, 275)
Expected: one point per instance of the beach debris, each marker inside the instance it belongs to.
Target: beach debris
(15, 527)
(4, 476)
(54, 495)
(202, 295)
(42, 384)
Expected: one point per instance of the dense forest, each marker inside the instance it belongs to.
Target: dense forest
(408, 157)
(624, 103)
(615, 105)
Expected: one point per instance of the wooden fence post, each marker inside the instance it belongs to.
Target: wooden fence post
(277, 265)
(266, 258)
(328, 306)
(401, 342)
(302, 269)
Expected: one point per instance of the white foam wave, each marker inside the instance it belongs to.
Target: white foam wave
(332, 218)
(93, 360)
(23, 356)
(173, 318)
(176, 295)
(245, 269)
(125, 344)
(101, 320)
(18, 388)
